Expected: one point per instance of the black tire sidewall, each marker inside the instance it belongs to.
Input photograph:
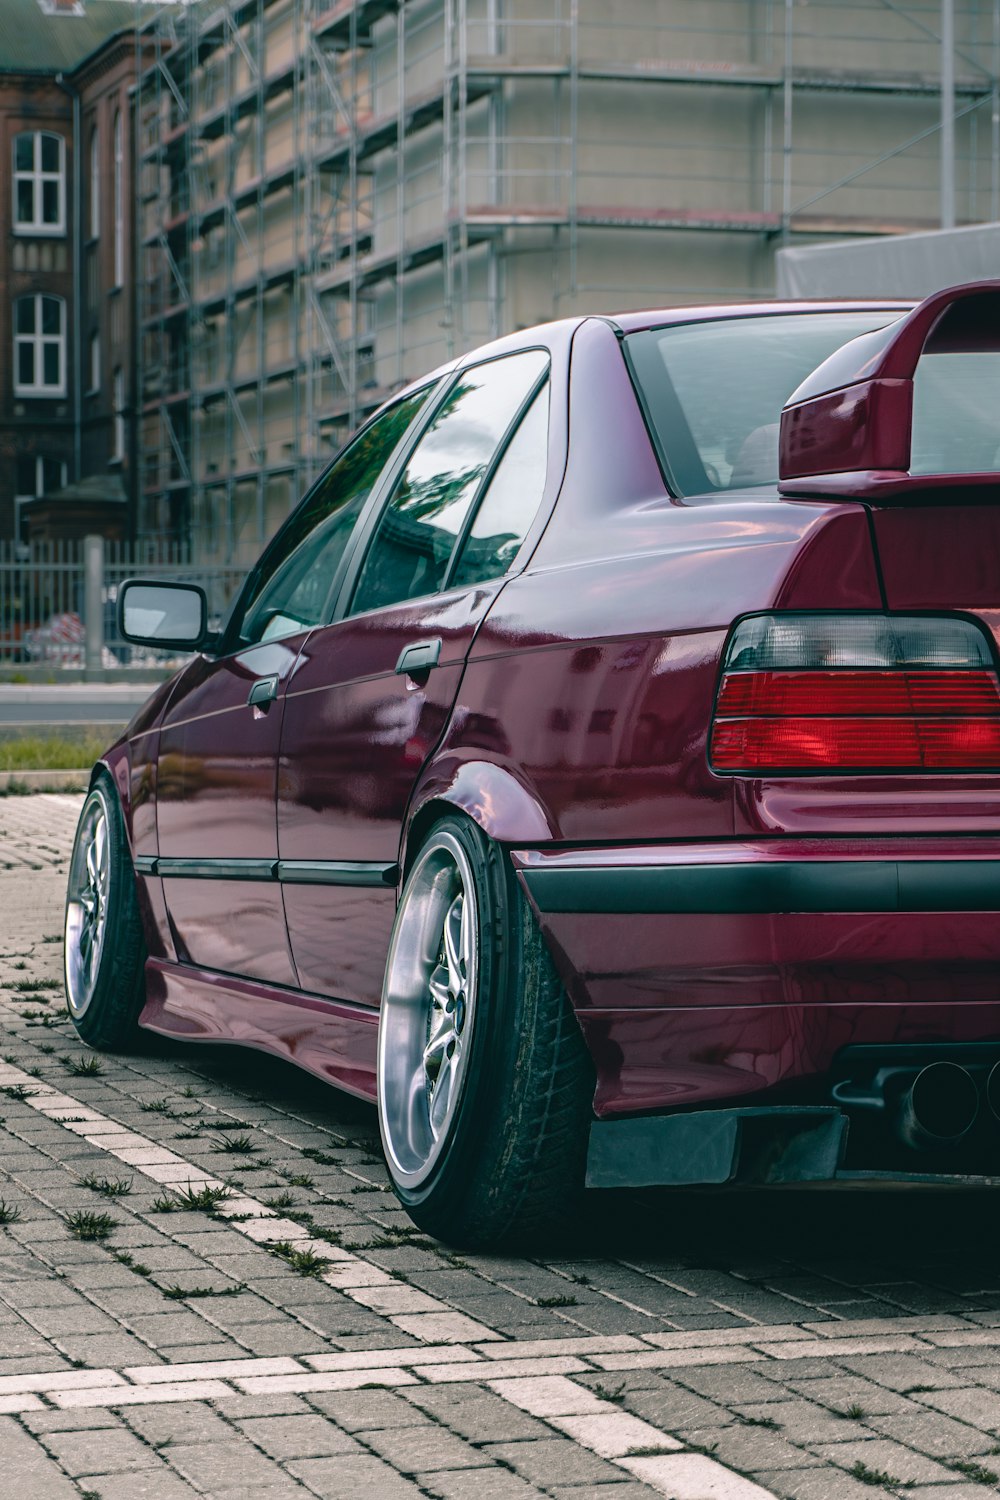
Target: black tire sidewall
(110, 1018)
(474, 1150)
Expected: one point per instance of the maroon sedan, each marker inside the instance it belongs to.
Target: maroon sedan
(600, 768)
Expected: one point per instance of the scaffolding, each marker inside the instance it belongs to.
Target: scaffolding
(335, 195)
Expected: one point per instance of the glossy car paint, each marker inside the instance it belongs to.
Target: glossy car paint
(577, 730)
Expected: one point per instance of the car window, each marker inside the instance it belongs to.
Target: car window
(292, 593)
(511, 500)
(713, 391)
(423, 521)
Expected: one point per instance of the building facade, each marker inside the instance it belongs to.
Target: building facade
(335, 195)
(67, 334)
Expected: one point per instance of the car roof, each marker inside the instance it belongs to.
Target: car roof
(635, 322)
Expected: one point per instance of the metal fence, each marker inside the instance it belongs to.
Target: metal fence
(44, 600)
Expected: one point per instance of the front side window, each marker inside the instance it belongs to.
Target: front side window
(293, 587)
(713, 391)
(39, 346)
(39, 183)
(119, 400)
(424, 521)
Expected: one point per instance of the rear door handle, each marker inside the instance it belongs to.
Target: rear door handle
(263, 692)
(419, 658)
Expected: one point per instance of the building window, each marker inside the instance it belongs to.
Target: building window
(95, 184)
(95, 362)
(119, 204)
(119, 398)
(40, 346)
(39, 183)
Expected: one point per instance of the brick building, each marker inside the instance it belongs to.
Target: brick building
(67, 339)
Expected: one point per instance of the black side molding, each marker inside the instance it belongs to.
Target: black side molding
(856, 885)
(288, 871)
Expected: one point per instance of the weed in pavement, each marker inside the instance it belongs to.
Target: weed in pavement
(108, 1187)
(84, 1225)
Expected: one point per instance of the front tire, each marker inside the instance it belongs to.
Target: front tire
(485, 1085)
(104, 949)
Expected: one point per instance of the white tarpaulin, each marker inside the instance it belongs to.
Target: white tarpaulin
(904, 265)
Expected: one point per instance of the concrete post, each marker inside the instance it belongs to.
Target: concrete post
(93, 607)
(947, 114)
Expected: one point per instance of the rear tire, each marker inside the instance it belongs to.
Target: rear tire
(485, 1085)
(104, 948)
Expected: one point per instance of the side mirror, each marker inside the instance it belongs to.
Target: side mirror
(163, 614)
(911, 407)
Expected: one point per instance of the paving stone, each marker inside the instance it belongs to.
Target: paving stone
(28, 1472)
(885, 1457)
(476, 1414)
(930, 1432)
(366, 1411)
(210, 1465)
(430, 1447)
(116, 1452)
(309, 1436)
(549, 1461)
(347, 1478)
(154, 1483)
(490, 1484)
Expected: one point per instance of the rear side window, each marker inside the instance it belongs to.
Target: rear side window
(509, 505)
(713, 391)
(424, 522)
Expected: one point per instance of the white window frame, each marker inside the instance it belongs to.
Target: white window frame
(38, 340)
(95, 182)
(119, 404)
(37, 177)
(95, 363)
(119, 192)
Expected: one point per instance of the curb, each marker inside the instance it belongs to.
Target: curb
(25, 782)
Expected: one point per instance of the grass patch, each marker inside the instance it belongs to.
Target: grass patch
(878, 1477)
(203, 1200)
(51, 752)
(280, 1200)
(615, 1394)
(557, 1302)
(236, 1145)
(306, 1262)
(89, 1226)
(157, 1107)
(9, 1213)
(978, 1473)
(759, 1422)
(19, 1091)
(302, 1180)
(181, 1293)
(83, 1067)
(126, 1258)
(855, 1412)
(36, 986)
(108, 1187)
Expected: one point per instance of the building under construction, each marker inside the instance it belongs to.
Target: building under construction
(335, 195)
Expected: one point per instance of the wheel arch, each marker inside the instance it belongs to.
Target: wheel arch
(506, 810)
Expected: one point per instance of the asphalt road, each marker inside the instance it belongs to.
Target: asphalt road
(77, 703)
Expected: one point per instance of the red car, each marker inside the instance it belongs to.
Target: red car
(611, 810)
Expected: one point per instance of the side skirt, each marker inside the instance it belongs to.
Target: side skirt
(333, 1039)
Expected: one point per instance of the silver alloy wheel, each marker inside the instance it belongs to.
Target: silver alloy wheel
(87, 902)
(428, 1009)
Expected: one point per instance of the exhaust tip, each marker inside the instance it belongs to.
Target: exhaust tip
(940, 1106)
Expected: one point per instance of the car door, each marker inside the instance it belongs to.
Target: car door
(370, 694)
(217, 766)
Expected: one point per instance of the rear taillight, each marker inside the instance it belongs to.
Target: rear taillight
(847, 693)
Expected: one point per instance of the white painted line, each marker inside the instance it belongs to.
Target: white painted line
(333, 1380)
(57, 1380)
(549, 1396)
(693, 1476)
(374, 1359)
(142, 1395)
(502, 1369)
(213, 1369)
(613, 1434)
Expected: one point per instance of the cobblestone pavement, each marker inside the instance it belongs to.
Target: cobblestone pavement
(206, 1288)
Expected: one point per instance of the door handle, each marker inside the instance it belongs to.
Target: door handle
(263, 693)
(419, 658)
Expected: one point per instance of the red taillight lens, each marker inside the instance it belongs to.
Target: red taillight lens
(832, 698)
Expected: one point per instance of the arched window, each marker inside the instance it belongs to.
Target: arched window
(119, 203)
(39, 346)
(95, 183)
(39, 183)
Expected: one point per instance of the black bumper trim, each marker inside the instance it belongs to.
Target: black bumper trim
(855, 885)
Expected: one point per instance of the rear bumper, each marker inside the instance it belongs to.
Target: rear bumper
(705, 973)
